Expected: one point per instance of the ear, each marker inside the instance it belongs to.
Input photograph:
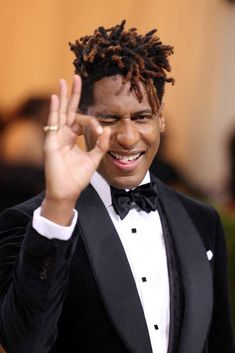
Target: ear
(162, 124)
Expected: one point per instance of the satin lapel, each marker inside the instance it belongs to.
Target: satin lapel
(195, 271)
(112, 272)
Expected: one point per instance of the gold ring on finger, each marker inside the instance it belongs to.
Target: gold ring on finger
(49, 128)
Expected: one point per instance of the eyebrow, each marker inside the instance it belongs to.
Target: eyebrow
(117, 116)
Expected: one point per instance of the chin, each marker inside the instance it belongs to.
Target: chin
(125, 182)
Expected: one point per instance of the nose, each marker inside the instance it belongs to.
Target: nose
(127, 134)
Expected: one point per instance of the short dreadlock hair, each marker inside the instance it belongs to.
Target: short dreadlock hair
(135, 57)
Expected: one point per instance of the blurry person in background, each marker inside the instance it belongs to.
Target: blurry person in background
(2, 122)
(23, 137)
(109, 259)
(232, 171)
(163, 168)
(21, 162)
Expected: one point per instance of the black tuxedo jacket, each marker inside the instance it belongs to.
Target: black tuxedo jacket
(79, 296)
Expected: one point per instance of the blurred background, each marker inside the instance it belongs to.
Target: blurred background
(198, 150)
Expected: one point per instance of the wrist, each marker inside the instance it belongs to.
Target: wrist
(58, 211)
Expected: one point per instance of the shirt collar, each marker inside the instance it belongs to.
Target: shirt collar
(103, 189)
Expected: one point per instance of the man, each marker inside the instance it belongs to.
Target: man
(93, 268)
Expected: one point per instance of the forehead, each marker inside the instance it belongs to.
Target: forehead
(112, 95)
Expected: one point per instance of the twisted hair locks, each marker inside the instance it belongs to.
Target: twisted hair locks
(137, 58)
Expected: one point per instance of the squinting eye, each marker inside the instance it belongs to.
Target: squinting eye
(142, 118)
(107, 120)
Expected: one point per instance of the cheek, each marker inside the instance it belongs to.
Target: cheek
(153, 138)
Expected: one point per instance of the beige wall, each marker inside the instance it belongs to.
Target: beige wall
(200, 108)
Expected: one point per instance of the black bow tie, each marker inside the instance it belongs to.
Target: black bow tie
(145, 196)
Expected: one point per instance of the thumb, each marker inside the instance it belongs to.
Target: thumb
(101, 147)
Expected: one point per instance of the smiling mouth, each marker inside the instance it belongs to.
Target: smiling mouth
(125, 158)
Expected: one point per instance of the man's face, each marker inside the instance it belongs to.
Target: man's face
(135, 132)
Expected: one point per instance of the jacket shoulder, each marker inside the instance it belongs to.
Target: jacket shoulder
(195, 207)
(19, 215)
(203, 216)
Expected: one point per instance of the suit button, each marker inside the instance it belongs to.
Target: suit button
(46, 266)
(43, 275)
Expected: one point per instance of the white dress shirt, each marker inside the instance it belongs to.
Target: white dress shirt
(142, 239)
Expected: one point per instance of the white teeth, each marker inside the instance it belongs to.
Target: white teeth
(125, 158)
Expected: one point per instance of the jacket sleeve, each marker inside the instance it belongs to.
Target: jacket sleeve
(34, 273)
(220, 335)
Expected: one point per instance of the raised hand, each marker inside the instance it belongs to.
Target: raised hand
(68, 169)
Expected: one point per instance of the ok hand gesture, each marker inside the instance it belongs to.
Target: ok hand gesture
(68, 169)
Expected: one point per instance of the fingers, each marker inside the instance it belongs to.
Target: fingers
(62, 112)
(74, 100)
(101, 147)
(53, 118)
(68, 110)
(83, 122)
(63, 101)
